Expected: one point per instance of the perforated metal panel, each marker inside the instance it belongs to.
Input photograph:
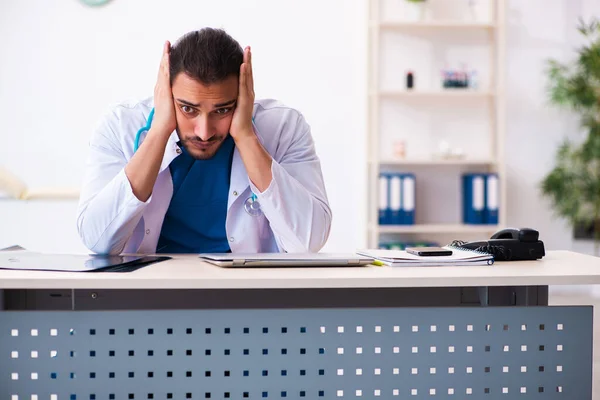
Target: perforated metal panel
(407, 353)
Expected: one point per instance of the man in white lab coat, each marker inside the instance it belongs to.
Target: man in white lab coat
(214, 170)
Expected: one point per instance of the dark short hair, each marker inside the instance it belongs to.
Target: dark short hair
(208, 55)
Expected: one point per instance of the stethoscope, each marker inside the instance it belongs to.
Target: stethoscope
(251, 205)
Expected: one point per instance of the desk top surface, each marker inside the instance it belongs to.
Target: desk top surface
(189, 272)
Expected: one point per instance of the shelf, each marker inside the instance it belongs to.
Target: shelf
(434, 162)
(398, 25)
(448, 93)
(437, 228)
(42, 194)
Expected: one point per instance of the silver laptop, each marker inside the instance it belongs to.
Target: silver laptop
(286, 259)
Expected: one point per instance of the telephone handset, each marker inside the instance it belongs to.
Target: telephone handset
(509, 245)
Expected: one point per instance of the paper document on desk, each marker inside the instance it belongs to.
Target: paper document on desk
(20, 259)
(460, 257)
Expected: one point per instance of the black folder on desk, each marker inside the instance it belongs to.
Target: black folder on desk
(21, 259)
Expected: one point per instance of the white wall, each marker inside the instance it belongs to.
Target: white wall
(63, 64)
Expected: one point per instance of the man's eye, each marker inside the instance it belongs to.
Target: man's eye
(187, 109)
(222, 111)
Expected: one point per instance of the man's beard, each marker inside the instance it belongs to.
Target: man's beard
(198, 153)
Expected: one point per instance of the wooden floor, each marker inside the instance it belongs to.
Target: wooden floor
(588, 296)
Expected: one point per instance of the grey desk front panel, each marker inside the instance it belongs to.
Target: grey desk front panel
(144, 299)
(405, 353)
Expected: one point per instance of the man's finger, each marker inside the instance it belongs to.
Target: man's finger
(242, 86)
(166, 56)
(165, 65)
(245, 55)
(164, 61)
(250, 74)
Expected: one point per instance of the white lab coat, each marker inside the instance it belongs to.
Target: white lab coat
(296, 215)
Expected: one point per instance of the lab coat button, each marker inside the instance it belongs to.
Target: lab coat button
(231, 239)
(235, 193)
(178, 151)
(147, 231)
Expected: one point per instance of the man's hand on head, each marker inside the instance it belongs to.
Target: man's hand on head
(256, 159)
(142, 169)
(241, 123)
(164, 122)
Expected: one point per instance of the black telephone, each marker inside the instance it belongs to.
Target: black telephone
(509, 245)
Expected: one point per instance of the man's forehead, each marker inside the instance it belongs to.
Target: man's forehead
(184, 79)
(192, 92)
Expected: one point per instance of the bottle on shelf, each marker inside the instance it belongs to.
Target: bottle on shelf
(410, 80)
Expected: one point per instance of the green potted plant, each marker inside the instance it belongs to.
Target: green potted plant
(573, 186)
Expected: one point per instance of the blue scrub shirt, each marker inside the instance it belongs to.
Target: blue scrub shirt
(195, 219)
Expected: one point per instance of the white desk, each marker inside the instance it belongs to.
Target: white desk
(296, 332)
(189, 272)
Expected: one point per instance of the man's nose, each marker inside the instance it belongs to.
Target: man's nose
(202, 128)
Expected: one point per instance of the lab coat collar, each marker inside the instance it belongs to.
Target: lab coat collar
(172, 150)
(239, 180)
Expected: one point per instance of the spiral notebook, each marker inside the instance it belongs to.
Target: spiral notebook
(401, 258)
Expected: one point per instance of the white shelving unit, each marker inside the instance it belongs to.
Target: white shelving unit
(433, 162)
(435, 228)
(433, 95)
(383, 100)
(435, 25)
